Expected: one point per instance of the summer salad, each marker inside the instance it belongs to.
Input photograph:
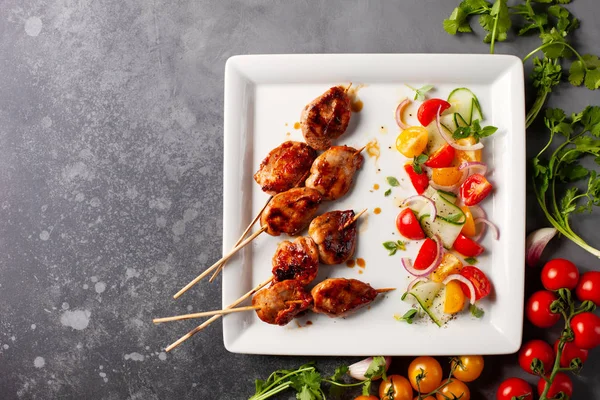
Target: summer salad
(446, 169)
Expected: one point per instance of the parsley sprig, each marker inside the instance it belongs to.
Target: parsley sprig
(581, 134)
(475, 130)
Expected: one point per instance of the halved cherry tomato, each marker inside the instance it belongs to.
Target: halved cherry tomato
(570, 351)
(446, 176)
(442, 158)
(396, 387)
(482, 284)
(412, 141)
(474, 189)
(454, 301)
(430, 108)
(467, 368)
(561, 383)
(536, 349)
(408, 225)
(468, 228)
(419, 181)
(467, 247)
(450, 265)
(467, 155)
(514, 388)
(427, 254)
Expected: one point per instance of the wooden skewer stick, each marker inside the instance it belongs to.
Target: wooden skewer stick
(214, 312)
(385, 290)
(216, 265)
(216, 317)
(360, 150)
(354, 219)
(216, 273)
(348, 88)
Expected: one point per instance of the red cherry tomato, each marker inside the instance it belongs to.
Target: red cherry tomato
(419, 181)
(467, 247)
(427, 254)
(442, 158)
(536, 349)
(538, 309)
(560, 273)
(588, 287)
(474, 189)
(570, 351)
(586, 328)
(482, 284)
(408, 225)
(562, 383)
(430, 108)
(514, 388)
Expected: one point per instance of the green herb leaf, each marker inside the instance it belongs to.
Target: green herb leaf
(387, 192)
(393, 247)
(392, 181)
(475, 311)
(376, 368)
(408, 317)
(471, 260)
(418, 161)
(340, 372)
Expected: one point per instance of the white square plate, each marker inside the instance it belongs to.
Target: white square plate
(264, 96)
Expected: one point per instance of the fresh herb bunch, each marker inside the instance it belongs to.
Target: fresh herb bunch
(581, 134)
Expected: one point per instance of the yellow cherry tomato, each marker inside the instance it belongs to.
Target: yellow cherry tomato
(412, 141)
(396, 387)
(432, 397)
(425, 374)
(455, 298)
(446, 176)
(454, 390)
(467, 368)
(467, 155)
(468, 228)
(450, 265)
(363, 397)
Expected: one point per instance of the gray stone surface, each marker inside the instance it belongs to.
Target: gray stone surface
(110, 181)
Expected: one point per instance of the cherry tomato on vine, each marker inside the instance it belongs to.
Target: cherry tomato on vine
(432, 397)
(560, 273)
(430, 371)
(536, 349)
(442, 158)
(429, 110)
(467, 368)
(363, 397)
(514, 388)
(427, 254)
(538, 311)
(467, 247)
(474, 189)
(562, 383)
(482, 284)
(408, 225)
(570, 351)
(588, 287)
(396, 387)
(586, 330)
(419, 181)
(454, 390)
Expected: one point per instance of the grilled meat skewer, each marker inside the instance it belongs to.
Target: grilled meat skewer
(332, 173)
(334, 236)
(291, 211)
(280, 303)
(298, 260)
(326, 118)
(338, 297)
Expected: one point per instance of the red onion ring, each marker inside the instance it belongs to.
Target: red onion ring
(415, 281)
(474, 165)
(431, 203)
(449, 140)
(477, 212)
(399, 111)
(408, 265)
(487, 222)
(467, 282)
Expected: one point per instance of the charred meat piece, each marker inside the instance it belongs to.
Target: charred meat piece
(333, 172)
(290, 212)
(339, 297)
(326, 118)
(284, 167)
(280, 303)
(336, 244)
(298, 260)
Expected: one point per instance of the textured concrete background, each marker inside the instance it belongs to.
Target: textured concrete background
(110, 175)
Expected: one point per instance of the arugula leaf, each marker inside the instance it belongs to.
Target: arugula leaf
(393, 247)
(392, 181)
(408, 317)
(476, 311)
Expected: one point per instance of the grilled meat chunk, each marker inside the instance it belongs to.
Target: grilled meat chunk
(290, 212)
(336, 244)
(297, 260)
(339, 297)
(326, 118)
(280, 303)
(333, 172)
(284, 167)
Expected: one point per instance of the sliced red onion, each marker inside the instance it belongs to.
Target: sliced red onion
(479, 167)
(460, 278)
(415, 281)
(432, 208)
(449, 140)
(399, 111)
(408, 265)
(536, 243)
(358, 370)
(487, 222)
(477, 212)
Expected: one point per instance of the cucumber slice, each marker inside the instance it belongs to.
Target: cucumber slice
(449, 221)
(437, 307)
(447, 210)
(436, 140)
(447, 231)
(465, 103)
(425, 295)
